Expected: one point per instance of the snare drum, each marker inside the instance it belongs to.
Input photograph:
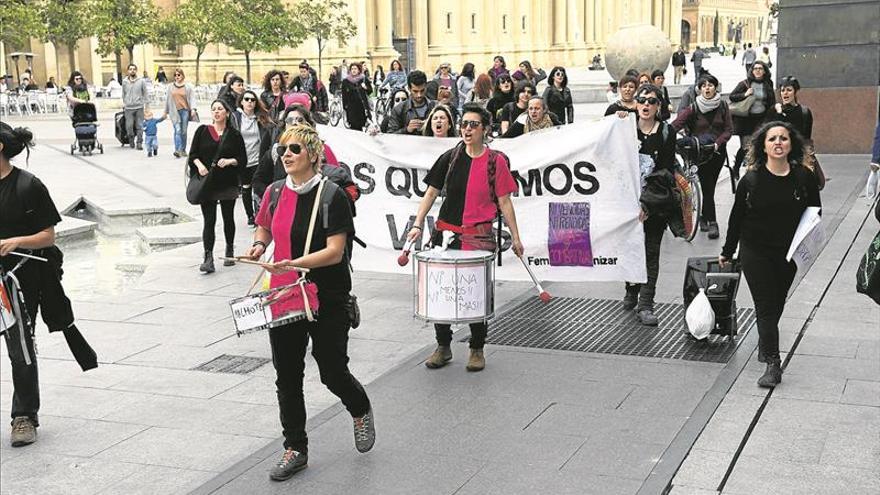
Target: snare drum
(267, 309)
(454, 286)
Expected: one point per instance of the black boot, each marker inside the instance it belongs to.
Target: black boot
(631, 298)
(772, 375)
(230, 253)
(713, 230)
(208, 265)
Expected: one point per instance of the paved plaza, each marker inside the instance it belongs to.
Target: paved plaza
(534, 421)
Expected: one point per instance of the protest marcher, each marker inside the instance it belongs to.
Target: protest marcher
(378, 77)
(27, 225)
(511, 111)
(409, 116)
(697, 58)
(759, 84)
(690, 94)
(708, 120)
(526, 73)
(481, 93)
(398, 96)
(234, 90)
(770, 200)
(678, 62)
(273, 93)
(217, 148)
(255, 125)
(658, 78)
(536, 117)
(161, 78)
(789, 109)
(444, 97)
(657, 144)
(557, 96)
(470, 162)
(307, 82)
(355, 100)
(749, 58)
(291, 224)
(440, 122)
(644, 78)
(627, 103)
(444, 77)
(612, 94)
(498, 69)
(396, 78)
(180, 106)
(501, 95)
(224, 88)
(134, 97)
(77, 91)
(465, 83)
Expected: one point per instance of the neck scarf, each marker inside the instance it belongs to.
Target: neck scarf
(306, 186)
(355, 79)
(706, 106)
(542, 124)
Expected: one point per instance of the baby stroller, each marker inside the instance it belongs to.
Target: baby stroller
(85, 125)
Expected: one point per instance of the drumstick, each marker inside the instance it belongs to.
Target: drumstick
(248, 261)
(29, 256)
(403, 259)
(543, 294)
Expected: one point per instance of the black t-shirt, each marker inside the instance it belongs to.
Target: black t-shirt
(510, 112)
(334, 280)
(617, 106)
(663, 152)
(452, 208)
(24, 212)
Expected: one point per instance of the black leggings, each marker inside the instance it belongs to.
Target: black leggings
(708, 173)
(479, 331)
(209, 213)
(247, 177)
(769, 277)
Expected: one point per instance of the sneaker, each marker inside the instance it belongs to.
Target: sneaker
(713, 230)
(140, 147)
(648, 318)
(292, 461)
(441, 356)
(364, 432)
(149, 154)
(630, 300)
(24, 431)
(704, 226)
(772, 375)
(176, 154)
(476, 361)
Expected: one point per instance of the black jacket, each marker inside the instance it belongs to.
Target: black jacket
(402, 113)
(559, 103)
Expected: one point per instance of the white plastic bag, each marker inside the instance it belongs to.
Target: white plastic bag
(700, 317)
(872, 188)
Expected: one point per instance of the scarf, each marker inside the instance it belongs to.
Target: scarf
(306, 186)
(706, 106)
(542, 124)
(355, 79)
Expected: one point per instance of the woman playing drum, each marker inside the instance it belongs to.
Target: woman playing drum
(478, 184)
(286, 219)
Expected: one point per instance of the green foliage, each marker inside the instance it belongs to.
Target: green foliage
(260, 25)
(19, 20)
(198, 23)
(123, 24)
(66, 21)
(325, 20)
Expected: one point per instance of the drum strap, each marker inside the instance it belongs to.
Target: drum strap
(307, 248)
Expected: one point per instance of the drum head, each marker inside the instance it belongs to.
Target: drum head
(454, 256)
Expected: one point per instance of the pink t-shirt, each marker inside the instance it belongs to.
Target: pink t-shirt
(279, 225)
(478, 205)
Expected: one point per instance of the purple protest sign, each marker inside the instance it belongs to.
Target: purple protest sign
(568, 236)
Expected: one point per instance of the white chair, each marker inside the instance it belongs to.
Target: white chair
(52, 99)
(36, 101)
(4, 103)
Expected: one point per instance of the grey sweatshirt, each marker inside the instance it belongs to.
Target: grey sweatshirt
(134, 93)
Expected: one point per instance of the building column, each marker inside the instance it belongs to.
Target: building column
(381, 47)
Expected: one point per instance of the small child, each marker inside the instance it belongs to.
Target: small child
(150, 130)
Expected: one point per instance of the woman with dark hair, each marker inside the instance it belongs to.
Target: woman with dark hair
(273, 93)
(770, 200)
(465, 83)
(499, 68)
(378, 76)
(557, 96)
(252, 120)
(234, 89)
(396, 77)
(397, 96)
(658, 78)
(355, 91)
(790, 110)
(511, 111)
(310, 224)
(481, 93)
(644, 78)
(217, 148)
(526, 73)
(467, 172)
(759, 85)
(708, 121)
(501, 95)
(439, 123)
(77, 90)
(626, 104)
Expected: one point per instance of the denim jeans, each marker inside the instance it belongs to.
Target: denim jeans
(180, 129)
(151, 143)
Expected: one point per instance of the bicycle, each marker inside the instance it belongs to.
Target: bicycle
(381, 104)
(335, 111)
(687, 178)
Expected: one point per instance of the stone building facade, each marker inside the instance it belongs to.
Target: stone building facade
(739, 21)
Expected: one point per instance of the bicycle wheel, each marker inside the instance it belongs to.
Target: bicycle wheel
(695, 205)
(734, 174)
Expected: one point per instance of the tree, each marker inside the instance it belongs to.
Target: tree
(198, 23)
(123, 24)
(19, 20)
(66, 22)
(260, 25)
(325, 20)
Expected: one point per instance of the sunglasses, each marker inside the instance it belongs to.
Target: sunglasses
(649, 101)
(77, 78)
(294, 119)
(399, 99)
(470, 124)
(248, 98)
(281, 149)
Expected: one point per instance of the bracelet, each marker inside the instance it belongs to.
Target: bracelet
(418, 227)
(259, 243)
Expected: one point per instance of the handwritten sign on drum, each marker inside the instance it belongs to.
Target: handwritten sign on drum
(250, 313)
(454, 286)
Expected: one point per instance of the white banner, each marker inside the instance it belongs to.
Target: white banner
(577, 205)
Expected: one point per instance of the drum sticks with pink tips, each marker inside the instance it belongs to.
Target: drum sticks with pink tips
(543, 294)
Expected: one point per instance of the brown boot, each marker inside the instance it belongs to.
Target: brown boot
(441, 356)
(477, 361)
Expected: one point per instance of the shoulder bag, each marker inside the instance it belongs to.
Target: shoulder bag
(741, 108)
(197, 185)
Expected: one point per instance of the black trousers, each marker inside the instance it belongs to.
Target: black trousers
(479, 331)
(209, 214)
(654, 228)
(708, 174)
(25, 378)
(329, 336)
(769, 276)
(247, 197)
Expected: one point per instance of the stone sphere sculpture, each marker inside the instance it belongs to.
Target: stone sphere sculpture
(638, 46)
